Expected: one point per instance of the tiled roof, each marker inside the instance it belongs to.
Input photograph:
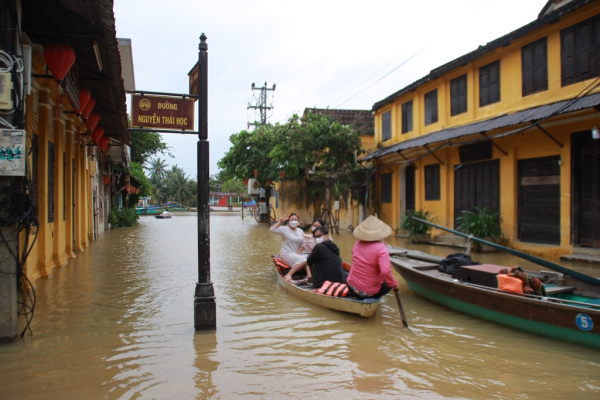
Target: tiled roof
(361, 120)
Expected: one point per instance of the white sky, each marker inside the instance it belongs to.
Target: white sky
(318, 53)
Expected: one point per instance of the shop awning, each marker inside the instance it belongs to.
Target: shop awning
(503, 121)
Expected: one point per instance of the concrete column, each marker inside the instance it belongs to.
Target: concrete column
(71, 128)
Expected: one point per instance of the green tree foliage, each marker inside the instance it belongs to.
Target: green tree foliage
(156, 167)
(145, 145)
(137, 172)
(179, 187)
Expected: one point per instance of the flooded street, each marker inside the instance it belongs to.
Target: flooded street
(117, 323)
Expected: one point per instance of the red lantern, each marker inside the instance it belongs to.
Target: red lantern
(107, 150)
(255, 184)
(268, 183)
(97, 134)
(84, 97)
(282, 174)
(137, 190)
(92, 121)
(59, 59)
(103, 143)
(256, 173)
(106, 180)
(85, 113)
(245, 182)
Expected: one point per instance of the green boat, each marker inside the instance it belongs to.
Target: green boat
(569, 310)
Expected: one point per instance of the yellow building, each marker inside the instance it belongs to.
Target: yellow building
(509, 126)
(61, 55)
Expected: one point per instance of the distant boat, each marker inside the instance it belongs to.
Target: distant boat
(164, 215)
(157, 209)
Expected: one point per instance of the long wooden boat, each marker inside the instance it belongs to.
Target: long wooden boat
(570, 310)
(303, 290)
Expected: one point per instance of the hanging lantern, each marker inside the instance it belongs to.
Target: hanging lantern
(103, 143)
(97, 134)
(85, 113)
(255, 184)
(106, 180)
(84, 97)
(282, 174)
(137, 190)
(92, 121)
(106, 150)
(59, 59)
(268, 183)
(245, 182)
(256, 173)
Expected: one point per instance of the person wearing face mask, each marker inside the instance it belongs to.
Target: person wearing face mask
(293, 238)
(371, 273)
(324, 261)
(309, 240)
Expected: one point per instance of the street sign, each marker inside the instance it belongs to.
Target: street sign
(163, 112)
(193, 75)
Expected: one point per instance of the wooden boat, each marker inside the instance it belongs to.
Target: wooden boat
(164, 215)
(303, 290)
(570, 310)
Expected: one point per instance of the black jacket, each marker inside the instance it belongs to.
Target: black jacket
(326, 264)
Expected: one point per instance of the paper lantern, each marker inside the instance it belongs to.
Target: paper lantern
(92, 121)
(107, 150)
(59, 59)
(106, 180)
(85, 113)
(84, 97)
(97, 134)
(282, 174)
(103, 143)
(245, 182)
(256, 173)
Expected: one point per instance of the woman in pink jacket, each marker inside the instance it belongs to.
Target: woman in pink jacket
(371, 273)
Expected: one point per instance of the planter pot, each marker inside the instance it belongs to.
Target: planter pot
(421, 238)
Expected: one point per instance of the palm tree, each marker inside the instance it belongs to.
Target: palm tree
(157, 167)
(179, 186)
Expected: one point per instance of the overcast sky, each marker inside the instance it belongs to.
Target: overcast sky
(337, 54)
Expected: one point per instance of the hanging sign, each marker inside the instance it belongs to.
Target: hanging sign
(162, 112)
(193, 75)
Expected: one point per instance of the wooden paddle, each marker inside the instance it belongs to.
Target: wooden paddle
(400, 308)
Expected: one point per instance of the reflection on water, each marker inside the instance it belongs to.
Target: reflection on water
(117, 322)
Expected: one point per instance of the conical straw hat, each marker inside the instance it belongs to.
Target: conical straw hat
(372, 229)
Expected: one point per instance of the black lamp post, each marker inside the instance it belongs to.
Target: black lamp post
(205, 307)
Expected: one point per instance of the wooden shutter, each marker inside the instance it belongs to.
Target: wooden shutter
(567, 55)
(64, 186)
(431, 107)
(407, 117)
(484, 87)
(540, 65)
(495, 82)
(432, 182)
(386, 126)
(386, 188)
(458, 95)
(33, 187)
(583, 53)
(489, 84)
(527, 70)
(50, 182)
(596, 40)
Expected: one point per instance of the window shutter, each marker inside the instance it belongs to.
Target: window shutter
(527, 66)
(434, 106)
(33, 187)
(386, 188)
(596, 39)
(494, 82)
(50, 182)
(540, 64)
(428, 118)
(462, 94)
(386, 126)
(409, 118)
(567, 53)
(454, 104)
(583, 38)
(484, 91)
(432, 182)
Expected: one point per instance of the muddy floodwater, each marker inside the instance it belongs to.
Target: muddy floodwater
(117, 323)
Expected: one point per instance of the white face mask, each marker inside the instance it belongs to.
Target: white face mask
(293, 224)
(319, 239)
(313, 228)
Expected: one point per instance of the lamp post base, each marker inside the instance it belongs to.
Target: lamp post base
(205, 307)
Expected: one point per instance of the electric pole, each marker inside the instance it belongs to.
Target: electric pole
(259, 104)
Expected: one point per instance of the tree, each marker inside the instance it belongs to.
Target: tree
(179, 187)
(146, 144)
(318, 147)
(137, 172)
(157, 167)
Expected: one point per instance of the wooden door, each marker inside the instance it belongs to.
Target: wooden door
(539, 200)
(409, 189)
(586, 189)
(476, 185)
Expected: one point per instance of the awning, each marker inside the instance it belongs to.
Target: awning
(503, 121)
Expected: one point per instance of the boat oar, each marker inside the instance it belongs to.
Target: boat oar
(400, 308)
(577, 275)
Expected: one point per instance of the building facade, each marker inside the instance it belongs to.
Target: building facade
(67, 103)
(510, 126)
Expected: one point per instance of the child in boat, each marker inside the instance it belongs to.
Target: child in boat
(371, 273)
(293, 238)
(324, 261)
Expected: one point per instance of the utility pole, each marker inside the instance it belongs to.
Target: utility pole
(259, 104)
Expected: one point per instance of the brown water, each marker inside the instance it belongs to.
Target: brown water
(117, 323)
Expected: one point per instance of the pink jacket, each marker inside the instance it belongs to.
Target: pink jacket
(370, 267)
